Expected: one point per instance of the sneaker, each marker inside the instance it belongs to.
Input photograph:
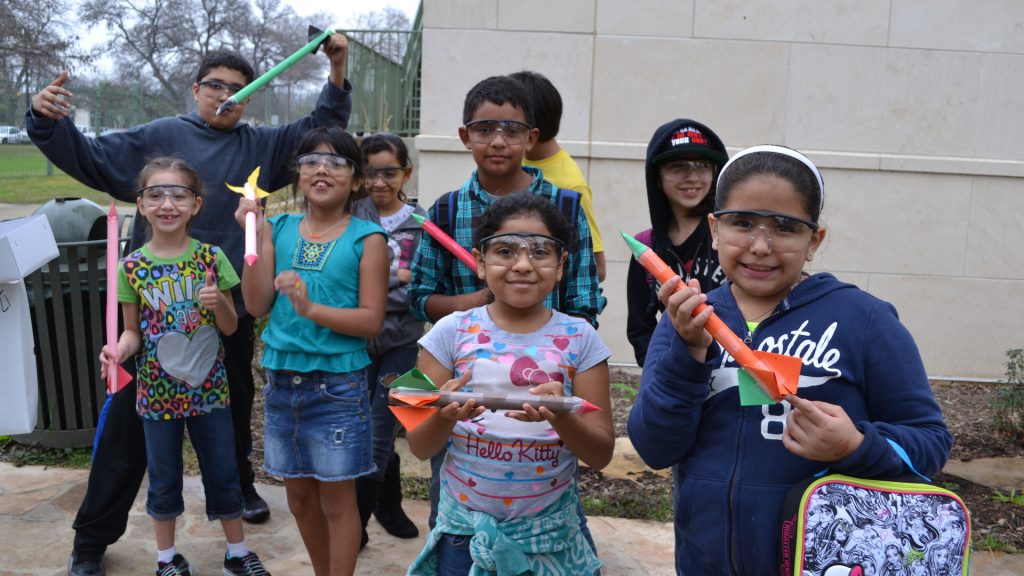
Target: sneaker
(256, 510)
(81, 565)
(178, 566)
(248, 565)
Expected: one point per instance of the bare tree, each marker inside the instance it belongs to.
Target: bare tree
(34, 45)
(377, 31)
(161, 41)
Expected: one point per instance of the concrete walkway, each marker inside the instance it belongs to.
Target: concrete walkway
(38, 505)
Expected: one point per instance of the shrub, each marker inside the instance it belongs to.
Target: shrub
(1008, 401)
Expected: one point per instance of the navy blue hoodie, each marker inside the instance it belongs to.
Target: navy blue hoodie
(111, 163)
(731, 470)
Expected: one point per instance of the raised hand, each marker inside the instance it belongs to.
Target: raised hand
(53, 101)
(244, 207)
(679, 307)
(336, 50)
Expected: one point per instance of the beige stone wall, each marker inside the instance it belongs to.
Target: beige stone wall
(914, 109)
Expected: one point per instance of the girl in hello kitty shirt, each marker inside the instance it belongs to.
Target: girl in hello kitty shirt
(508, 503)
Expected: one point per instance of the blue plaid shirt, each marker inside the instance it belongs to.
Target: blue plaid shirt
(436, 271)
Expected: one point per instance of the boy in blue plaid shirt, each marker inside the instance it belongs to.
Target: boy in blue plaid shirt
(498, 131)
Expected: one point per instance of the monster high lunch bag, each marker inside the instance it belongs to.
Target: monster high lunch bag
(836, 525)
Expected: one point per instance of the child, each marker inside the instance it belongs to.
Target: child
(498, 131)
(393, 352)
(682, 160)
(176, 295)
(554, 162)
(862, 381)
(508, 503)
(330, 272)
(215, 145)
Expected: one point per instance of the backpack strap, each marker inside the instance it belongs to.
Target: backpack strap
(444, 217)
(899, 452)
(568, 204)
(645, 237)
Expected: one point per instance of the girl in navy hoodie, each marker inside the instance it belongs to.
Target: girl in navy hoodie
(862, 381)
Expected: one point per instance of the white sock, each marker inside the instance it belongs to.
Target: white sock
(166, 555)
(238, 550)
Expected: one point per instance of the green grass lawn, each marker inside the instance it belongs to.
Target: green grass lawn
(20, 160)
(23, 179)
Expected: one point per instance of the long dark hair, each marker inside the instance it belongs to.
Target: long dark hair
(343, 144)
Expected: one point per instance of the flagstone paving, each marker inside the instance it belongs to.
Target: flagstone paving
(38, 505)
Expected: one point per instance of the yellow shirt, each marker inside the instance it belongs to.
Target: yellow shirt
(562, 171)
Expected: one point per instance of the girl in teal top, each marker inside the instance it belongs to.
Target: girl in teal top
(322, 275)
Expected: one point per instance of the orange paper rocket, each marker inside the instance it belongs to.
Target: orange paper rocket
(776, 374)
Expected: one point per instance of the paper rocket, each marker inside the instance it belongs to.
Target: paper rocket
(775, 374)
(316, 36)
(252, 191)
(447, 241)
(117, 377)
(414, 398)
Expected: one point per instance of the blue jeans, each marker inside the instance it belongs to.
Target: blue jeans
(453, 558)
(214, 443)
(317, 425)
(387, 366)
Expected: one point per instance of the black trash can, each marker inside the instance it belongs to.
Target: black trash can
(67, 305)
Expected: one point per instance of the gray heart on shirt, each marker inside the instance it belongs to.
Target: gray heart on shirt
(189, 359)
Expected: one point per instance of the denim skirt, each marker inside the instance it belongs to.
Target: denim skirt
(317, 425)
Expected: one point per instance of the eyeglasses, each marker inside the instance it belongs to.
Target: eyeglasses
(484, 131)
(681, 169)
(309, 163)
(783, 233)
(503, 249)
(217, 86)
(388, 173)
(155, 195)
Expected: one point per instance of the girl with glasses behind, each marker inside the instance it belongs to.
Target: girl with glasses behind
(322, 277)
(393, 352)
(508, 492)
(175, 295)
(862, 384)
(683, 158)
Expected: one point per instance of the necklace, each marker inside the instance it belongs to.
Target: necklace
(309, 230)
(762, 315)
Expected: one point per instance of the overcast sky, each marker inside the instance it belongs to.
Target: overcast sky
(342, 11)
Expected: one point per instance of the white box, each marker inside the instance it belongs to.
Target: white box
(25, 245)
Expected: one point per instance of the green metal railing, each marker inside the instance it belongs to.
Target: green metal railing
(387, 66)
